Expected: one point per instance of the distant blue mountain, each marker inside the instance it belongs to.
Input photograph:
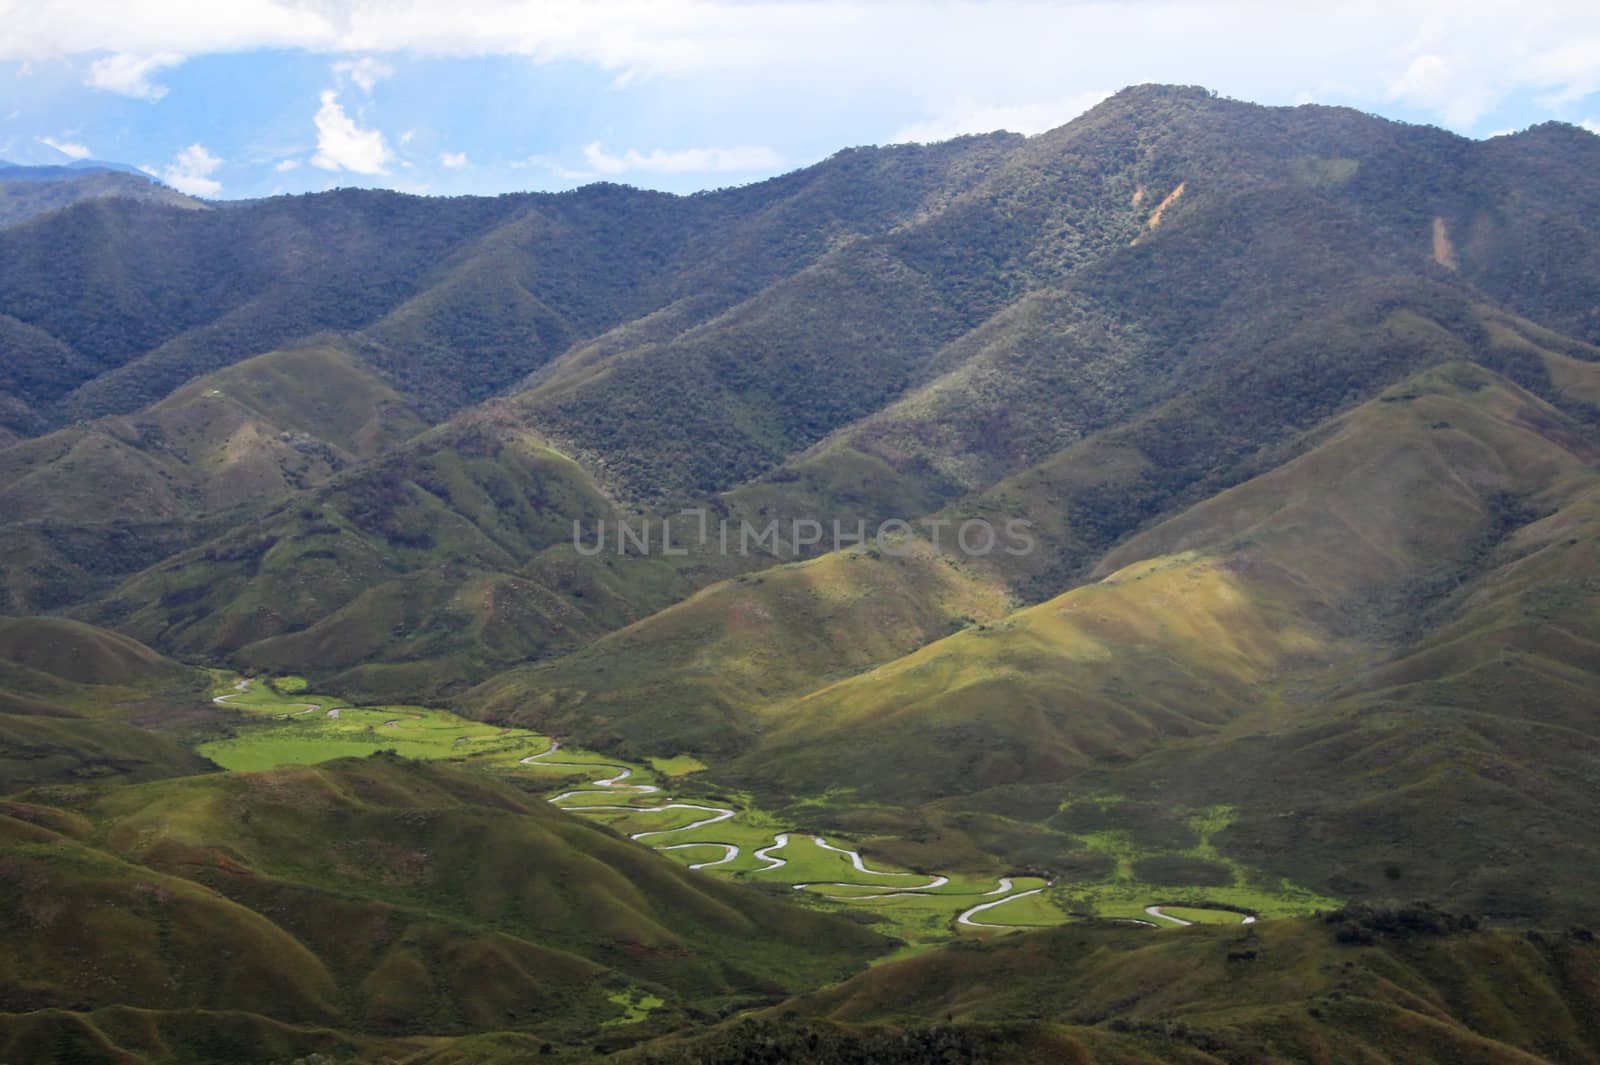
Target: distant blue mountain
(103, 164)
(65, 172)
(28, 191)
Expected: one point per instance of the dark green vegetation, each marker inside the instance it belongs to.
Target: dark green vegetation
(1301, 407)
(1406, 987)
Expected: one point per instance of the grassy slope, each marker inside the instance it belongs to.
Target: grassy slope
(123, 1035)
(243, 435)
(1281, 992)
(1074, 501)
(348, 574)
(1485, 707)
(1462, 769)
(71, 653)
(1261, 649)
(66, 690)
(1094, 675)
(1192, 623)
(91, 504)
(38, 749)
(481, 908)
(695, 676)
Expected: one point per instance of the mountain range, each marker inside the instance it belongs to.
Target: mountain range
(1300, 410)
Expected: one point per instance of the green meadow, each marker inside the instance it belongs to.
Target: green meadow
(636, 1006)
(307, 728)
(286, 724)
(679, 765)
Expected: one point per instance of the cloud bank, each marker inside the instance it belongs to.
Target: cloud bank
(1458, 62)
(687, 160)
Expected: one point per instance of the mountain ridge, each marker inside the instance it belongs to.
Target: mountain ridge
(1299, 407)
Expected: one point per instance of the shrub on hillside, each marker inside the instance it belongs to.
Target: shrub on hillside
(1180, 869)
(1364, 924)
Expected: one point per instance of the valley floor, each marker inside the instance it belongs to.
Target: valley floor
(675, 807)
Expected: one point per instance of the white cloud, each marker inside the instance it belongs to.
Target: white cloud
(682, 161)
(342, 145)
(1428, 77)
(74, 27)
(966, 116)
(129, 74)
(1592, 125)
(1473, 54)
(407, 137)
(1456, 93)
(365, 72)
(286, 165)
(191, 170)
(453, 160)
(1572, 69)
(70, 149)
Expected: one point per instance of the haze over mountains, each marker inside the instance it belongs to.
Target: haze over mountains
(29, 190)
(1301, 406)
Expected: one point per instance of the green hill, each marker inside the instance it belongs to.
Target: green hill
(1404, 986)
(1281, 616)
(480, 909)
(67, 692)
(88, 505)
(67, 652)
(254, 431)
(698, 675)
(411, 556)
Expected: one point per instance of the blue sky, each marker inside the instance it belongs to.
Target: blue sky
(238, 98)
